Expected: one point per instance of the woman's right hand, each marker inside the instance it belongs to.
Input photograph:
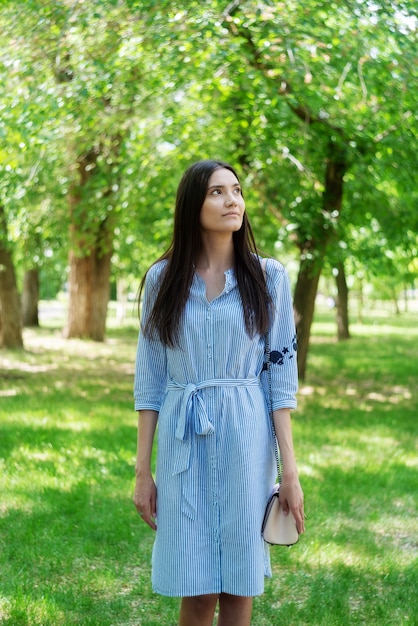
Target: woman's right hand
(145, 498)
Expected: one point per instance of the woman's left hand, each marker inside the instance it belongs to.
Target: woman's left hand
(291, 498)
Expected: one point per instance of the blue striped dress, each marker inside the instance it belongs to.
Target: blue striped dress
(215, 456)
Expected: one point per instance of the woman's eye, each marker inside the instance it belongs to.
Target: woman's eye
(218, 192)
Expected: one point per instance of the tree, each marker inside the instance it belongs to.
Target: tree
(309, 100)
(10, 310)
(344, 114)
(30, 298)
(82, 56)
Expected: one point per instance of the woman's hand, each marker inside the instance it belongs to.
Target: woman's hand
(145, 498)
(291, 498)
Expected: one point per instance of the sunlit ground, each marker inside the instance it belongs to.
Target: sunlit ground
(73, 551)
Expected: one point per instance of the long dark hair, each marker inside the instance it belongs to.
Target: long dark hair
(174, 287)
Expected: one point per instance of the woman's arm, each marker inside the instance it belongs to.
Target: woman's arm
(145, 495)
(291, 494)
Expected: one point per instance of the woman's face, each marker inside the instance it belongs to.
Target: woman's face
(223, 208)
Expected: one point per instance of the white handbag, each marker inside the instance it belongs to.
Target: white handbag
(277, 528)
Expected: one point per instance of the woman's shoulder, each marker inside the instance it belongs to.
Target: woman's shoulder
(272, 266)
(275, 273)
(155, 271)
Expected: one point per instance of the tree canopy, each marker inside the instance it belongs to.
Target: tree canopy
(104, 103)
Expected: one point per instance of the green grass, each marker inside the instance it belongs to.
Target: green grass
(73, 550)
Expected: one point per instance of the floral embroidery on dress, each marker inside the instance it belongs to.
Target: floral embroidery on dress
(278, 357)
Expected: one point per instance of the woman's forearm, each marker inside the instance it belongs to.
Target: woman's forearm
(291, 494)
(147, 422)
(283, 428)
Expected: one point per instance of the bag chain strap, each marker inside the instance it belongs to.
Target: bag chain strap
(268, 364)
(273, 430)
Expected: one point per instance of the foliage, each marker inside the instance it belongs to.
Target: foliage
(153, 86)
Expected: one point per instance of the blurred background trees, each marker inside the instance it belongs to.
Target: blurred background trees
(104, 103)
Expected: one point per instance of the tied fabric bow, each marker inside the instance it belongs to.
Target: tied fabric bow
(194, 421)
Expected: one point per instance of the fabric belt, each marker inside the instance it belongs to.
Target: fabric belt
(194, 421)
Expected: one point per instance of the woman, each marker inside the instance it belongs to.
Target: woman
(206, 309)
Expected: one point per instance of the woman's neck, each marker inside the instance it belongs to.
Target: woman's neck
(216, 255)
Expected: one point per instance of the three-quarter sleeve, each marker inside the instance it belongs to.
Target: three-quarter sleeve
(151, 363)
(283, 343)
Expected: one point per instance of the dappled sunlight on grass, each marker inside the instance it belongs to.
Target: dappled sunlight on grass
(32, 612)
(72, 547)
(332, 554)
(376, 322)
(393, 394)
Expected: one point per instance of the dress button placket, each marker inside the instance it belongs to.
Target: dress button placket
(212, 443)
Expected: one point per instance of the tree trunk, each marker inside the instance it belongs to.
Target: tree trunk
(343, 331)
(360, 301)
(313, 250)
(80, 297)
(30, 298)
(101, 295)
(89, 279)
(10, 307)
(304, 306)
(89, 296)
(121, 300)
(405, 292)
(395, 301)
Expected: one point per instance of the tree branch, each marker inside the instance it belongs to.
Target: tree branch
(301, 110)
(230, 9)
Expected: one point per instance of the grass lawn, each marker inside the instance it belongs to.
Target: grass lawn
(74, 551)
